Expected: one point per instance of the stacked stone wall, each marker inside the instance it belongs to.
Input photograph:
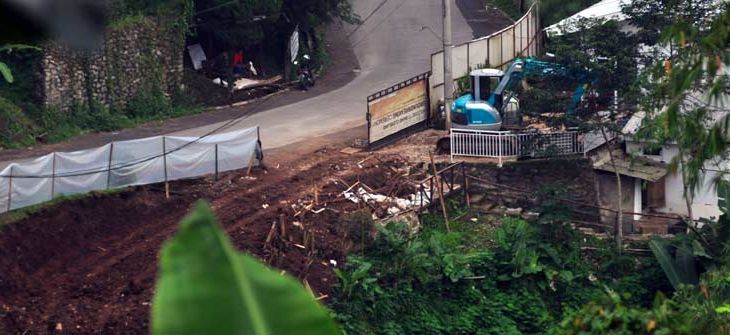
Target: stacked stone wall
(135, 54)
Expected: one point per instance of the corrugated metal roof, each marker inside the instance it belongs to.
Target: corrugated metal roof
(605, 10)
(635, 167)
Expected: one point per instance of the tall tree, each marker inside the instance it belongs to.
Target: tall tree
(684, 93)
(606, 58)
(237, 23)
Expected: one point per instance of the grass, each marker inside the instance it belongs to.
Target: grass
(20, 214)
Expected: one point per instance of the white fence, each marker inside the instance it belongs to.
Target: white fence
(119, 164)
(504, 145)
(522, 39)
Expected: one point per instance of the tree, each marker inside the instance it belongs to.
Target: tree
(9, 48)
(236, 24)
(607, 58)
(683, 93)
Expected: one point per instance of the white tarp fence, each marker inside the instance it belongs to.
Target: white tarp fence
(522, 39)
(125, 163)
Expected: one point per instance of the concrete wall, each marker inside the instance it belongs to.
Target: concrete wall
(138, 51)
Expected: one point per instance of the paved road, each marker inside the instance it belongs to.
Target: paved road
(390, 47)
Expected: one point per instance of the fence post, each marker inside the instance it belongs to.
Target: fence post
(109, 167)
(10, 188)
(53, 176)
(216, 161)
(499, 150)
(164, 164)
(452, 143)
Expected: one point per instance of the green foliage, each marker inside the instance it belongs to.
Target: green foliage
(678, 263)
(149, 102)
(510, 7)
(359, 228)
(698, 52)
(603, 51)
(552, 11)
(206, 287)
(237, 24)
(15, 127)
(654, 17)
(610, 315)
(519, 278)
(5, 71)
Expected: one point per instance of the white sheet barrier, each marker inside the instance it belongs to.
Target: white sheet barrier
(125, 163)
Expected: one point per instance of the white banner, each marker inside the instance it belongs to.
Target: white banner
(294, 44)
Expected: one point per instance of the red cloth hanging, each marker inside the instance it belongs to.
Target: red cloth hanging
(238, 58)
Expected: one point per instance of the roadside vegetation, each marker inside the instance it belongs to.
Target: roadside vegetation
(551, 11)
(263, 27)
(506, 275)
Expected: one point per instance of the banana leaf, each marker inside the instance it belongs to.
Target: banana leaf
(681, 268)
(206, 287)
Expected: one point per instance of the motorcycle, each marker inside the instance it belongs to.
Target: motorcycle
(306, 79)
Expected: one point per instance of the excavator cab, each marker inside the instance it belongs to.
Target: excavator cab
(473, 111)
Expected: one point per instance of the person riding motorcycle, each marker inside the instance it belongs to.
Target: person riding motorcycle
(306, 79)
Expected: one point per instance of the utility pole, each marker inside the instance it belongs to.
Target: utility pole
(448, 76)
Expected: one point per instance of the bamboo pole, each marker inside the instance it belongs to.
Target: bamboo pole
(440, 191)
(250, 163)
(164, 163)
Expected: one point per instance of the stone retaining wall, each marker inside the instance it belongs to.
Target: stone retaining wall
(137, 52)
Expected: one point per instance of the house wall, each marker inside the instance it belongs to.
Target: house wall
(607, 190)
(704, 205)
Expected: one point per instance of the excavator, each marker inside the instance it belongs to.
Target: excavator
(485, 109)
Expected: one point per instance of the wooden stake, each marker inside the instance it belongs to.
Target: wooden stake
(250, 163)
(282, 225)
(316, 195)
(466, 191)
(271, 233)
(440, 191)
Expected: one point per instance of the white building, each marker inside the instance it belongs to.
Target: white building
(649, 187)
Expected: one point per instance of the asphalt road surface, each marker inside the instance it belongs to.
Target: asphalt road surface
(390, 46)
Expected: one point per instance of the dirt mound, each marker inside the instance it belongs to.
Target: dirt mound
(88, 266)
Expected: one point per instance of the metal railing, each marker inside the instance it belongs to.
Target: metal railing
(503, 145)
(447, 181)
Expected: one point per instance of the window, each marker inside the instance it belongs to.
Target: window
(652, 151)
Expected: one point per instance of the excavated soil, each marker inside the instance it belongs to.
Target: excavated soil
(88, 266)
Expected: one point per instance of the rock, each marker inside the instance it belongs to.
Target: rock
(513, 211)
(530, 216)
(393, 210)
(403, 204)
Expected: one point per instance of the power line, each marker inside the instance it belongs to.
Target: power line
(86, 172)
(367, 18)
(379, 24)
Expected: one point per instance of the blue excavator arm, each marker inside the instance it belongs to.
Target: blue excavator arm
(521, 67)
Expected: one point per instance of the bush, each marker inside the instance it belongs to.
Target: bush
(149, 102)
(359, 228)
(16, 128)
